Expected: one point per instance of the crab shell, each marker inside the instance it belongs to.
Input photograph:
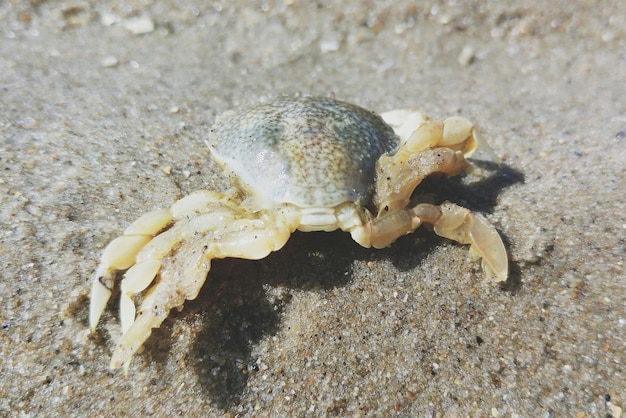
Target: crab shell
(311, 152)
(312, 164)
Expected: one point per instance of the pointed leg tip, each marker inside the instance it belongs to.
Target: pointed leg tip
(496, 269)
(96, 309)
(501, 278)
(119, 359)
(102, 284)
(125, 366)
(499, 274)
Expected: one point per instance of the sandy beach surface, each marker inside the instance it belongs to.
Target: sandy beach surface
(104, 109)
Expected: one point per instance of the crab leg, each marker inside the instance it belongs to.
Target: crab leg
(449, 221)
(184, 273)
(461, 225)
(434, 147)
(120, 255)
(137, 251)
(396, 180)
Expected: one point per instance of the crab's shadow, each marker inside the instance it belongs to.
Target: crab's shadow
(477, 195)
(243, 301)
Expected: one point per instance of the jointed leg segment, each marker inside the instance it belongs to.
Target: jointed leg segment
(434, 147)
(449, 221)
(207, 226)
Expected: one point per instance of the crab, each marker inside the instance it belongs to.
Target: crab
(307, 164)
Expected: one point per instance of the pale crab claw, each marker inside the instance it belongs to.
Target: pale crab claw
(458, 130)
(416, 128)
(404, 121)
(484, 145)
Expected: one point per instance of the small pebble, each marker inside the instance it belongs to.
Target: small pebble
(139, 25)
(109, 61)
(329, 45)
(109, 19)
(466, 57)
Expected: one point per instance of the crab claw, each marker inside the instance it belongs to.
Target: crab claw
(455, 132)
(458, 133)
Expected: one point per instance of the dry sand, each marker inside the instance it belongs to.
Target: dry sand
(104, 107)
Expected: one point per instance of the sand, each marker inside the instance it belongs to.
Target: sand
(104, 107)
